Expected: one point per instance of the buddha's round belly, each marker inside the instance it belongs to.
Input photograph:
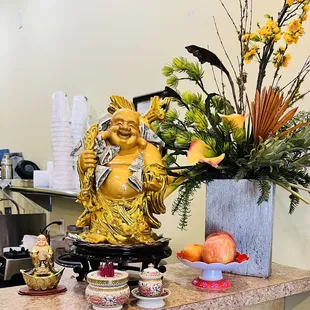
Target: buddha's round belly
(116, 185)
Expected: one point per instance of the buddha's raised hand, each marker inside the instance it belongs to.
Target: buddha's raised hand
(153, 183)
(88, 159)
(105, 135)
(154, 176)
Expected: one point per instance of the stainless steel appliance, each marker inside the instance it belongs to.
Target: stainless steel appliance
(13, 259)
(14, 226)
(6, 167)
(16, 158)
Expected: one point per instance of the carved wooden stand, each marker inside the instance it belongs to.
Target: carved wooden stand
(84, 254)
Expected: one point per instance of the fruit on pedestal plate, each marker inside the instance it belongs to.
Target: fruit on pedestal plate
(193, 252)
(219, 247)
(218, 255)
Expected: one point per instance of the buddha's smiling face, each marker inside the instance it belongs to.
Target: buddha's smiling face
(41, 241)
(124, 129)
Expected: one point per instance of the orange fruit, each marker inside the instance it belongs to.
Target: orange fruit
(193, 252)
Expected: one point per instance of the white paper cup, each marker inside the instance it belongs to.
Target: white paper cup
(78, 130)
(62, 174)
(79, 121)
(63, 149)
(79, 105)
(61, 133)
(63, 153)
(62, 138)
(66, 134)
(62, 178)
(59, 94)
(61, 119)
(61, 127)
(57, 141)
(63, 165)
(63, 161)
(62, 187)
(60, 106)
(62, 146)
(59, 160)
(62, 157)
(77, 135)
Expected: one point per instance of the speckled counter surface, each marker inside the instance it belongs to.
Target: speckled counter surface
(285, 281)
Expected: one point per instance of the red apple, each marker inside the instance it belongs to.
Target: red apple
(219, 247)
(221, 233)
(192, 252)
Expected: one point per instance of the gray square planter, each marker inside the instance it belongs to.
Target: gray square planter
(232, 207)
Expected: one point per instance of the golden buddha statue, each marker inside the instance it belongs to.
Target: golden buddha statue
(42, 256)
(123, 176)
(43, 276)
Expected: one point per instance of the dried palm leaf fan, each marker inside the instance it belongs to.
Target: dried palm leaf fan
(267, 114)
(118, 102)
(156, 111)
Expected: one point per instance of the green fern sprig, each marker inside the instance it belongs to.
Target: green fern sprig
(294, 201)
(181, 204)
(264, 188)
(184, 213)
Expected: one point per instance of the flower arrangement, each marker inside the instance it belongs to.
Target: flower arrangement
(229, 134)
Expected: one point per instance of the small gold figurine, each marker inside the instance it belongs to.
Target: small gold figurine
(123, 176)
(43, 276)
(42, 256)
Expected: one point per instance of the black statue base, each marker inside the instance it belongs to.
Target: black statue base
(85, 257)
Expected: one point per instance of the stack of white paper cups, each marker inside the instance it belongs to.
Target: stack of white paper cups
(79, 122)
(62, 142)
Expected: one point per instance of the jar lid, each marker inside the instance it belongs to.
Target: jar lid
(150, 272)
(120, 278)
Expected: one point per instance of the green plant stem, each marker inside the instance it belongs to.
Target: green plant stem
(268, 50)
(215, 80)
(241, 82)
(300, 187)
(200, 84)
(182, 124)
(224, 49)
(291, 191)
(179, 168)
(209, 117)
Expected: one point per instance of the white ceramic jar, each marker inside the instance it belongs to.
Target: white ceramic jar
(150, 283)
(107, 292)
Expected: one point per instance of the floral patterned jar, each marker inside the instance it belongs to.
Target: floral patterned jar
(107, 292)
(150, 284)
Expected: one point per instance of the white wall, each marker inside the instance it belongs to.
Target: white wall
(99, 48)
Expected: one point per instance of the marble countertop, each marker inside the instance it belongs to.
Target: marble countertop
(245, 291)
